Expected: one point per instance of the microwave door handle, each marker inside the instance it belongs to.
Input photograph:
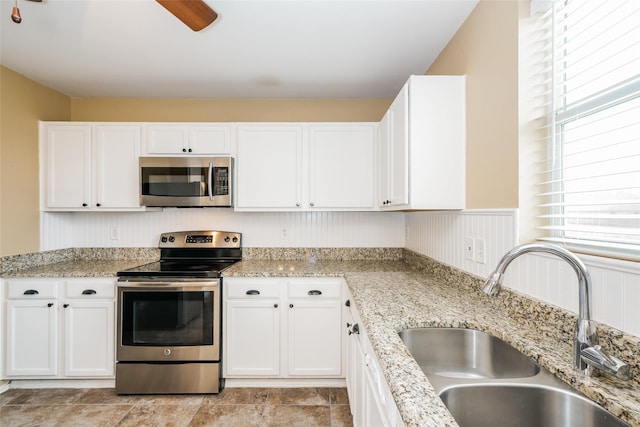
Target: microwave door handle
(211, 189)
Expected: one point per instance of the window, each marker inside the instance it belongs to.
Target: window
(591, 186)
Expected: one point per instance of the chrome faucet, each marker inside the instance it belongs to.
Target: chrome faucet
(586, 350)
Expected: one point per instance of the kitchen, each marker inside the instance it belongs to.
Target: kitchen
(485, 49)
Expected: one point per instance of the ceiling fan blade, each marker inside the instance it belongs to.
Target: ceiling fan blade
(196, 14)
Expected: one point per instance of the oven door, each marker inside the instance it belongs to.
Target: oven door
(169, 321)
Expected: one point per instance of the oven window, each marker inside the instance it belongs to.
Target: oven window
(167, 318)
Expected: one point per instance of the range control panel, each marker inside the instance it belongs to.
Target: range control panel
(200, 239)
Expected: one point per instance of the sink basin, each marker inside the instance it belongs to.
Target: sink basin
(466, 353)
(523, 406)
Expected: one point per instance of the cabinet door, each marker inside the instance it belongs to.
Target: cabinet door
(269, 167)
(32, 338)
(357, 394)
(314, 338)
(375, 414)
(384, 159)
(399, 150)
(167, 139)
(68, 166)
(341, 166)
(89, 338)
(116, 172)
(210, 140)
(252, 338)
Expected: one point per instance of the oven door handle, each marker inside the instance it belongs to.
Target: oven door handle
(193, 284)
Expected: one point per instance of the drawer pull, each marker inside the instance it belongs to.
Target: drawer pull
(275, 305)
(31, 292)
(314, 292)
(89, 292)
(253, 292)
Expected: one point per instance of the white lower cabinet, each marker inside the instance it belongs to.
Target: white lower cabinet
(282, 328)
(370, 399)
(60, 328)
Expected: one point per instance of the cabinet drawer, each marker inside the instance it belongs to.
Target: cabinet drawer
(252, 289)
(311, 288)
(90, 288)
(32, 288)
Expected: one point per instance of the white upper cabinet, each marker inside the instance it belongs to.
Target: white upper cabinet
(423, 146)
(174, 139)
(68, 171)
(341, 166)
(115, 162)
(90, 166)
(269, 167)
(306, 166)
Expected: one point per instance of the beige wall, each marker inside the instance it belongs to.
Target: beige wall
(486, 50)
(22, 103)
(228, 110)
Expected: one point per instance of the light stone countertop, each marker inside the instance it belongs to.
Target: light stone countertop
(77, 268)
(392, 295)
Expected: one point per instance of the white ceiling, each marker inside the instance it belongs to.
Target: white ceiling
(255, 49)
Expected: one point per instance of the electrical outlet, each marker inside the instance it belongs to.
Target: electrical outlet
(115, 233)
(480, 250)
(283, 234)
(469, 248)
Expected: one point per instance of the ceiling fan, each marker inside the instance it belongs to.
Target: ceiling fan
(195, 14)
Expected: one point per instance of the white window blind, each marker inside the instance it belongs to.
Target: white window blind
(590, 189)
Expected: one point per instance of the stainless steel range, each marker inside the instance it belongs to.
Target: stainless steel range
(169, 316)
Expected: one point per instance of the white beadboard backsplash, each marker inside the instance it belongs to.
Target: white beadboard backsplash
(439, 235)
(616, 284)
(264, 229)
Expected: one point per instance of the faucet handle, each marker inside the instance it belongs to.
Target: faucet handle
(598, 358)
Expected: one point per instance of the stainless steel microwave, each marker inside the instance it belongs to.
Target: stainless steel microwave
(186, 181)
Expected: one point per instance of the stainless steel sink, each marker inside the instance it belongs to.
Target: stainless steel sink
(466, 353)
(523, 406)
(484, 381)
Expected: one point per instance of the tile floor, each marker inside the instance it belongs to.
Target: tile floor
(304, 407)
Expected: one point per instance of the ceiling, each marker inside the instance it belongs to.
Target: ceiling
(255, 49)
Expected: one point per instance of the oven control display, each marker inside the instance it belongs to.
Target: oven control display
(194, 238)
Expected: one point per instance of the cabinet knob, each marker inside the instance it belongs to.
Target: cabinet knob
(50, 305)
(347, 303)
(311, 204)
(184, 150)
(297, 205)
(290, 305)
(190, 150)
(65, 305)
(275, 305)
(355, 330)
(98, 204)
(84, 205)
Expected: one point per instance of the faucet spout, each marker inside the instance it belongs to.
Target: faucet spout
(585, 334)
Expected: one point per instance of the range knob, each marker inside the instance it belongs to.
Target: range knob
(227, 239)
(163, 239)
(172, 239)
(234, 240)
